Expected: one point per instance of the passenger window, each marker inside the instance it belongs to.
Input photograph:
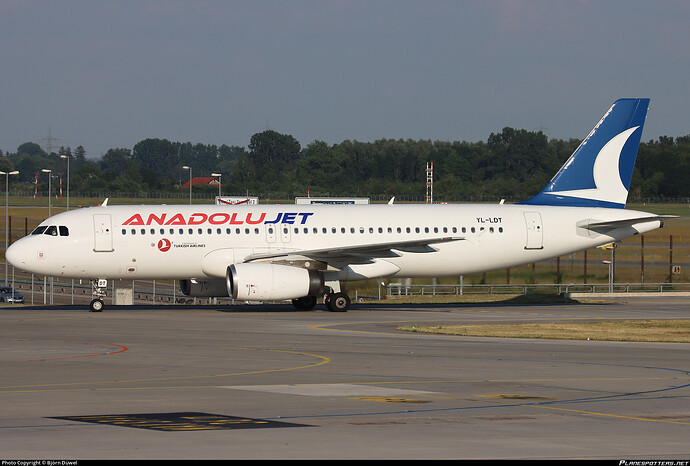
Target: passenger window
(63, 231)
(124, 232)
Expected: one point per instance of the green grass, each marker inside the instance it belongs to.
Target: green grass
(666, 331)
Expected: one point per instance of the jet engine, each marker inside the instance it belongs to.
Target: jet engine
(271, 282)
(204, 288)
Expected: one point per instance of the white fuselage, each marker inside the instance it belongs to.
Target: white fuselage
(201, 241)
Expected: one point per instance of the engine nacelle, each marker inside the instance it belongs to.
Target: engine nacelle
(204, 288)
(271, 282)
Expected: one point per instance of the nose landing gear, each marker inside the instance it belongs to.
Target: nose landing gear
(98, 291)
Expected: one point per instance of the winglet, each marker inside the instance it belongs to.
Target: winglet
(598, 173)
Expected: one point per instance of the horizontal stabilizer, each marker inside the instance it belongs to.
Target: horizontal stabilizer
(613, 224)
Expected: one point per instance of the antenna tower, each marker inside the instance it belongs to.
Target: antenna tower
(430, 182)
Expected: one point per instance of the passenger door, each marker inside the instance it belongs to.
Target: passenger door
(102, 233)
(534, 231)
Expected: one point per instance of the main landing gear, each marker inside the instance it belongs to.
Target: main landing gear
(305, 304)
(335, 302)
(98, 291)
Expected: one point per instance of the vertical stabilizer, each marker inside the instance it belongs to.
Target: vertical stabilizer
(598, 173)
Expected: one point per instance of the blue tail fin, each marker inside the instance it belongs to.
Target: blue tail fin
(598, 173)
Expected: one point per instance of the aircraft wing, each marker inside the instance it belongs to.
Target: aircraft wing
(366, 251)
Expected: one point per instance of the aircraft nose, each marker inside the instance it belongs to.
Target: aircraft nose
(16, 255)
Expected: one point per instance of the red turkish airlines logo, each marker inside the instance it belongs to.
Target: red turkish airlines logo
(164, 245)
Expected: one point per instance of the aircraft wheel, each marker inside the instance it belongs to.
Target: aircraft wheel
(96, 305)
(338, 302)
(306, 303)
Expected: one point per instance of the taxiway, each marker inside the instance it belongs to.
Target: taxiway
(209, 382)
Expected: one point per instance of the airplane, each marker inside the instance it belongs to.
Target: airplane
(299, 252)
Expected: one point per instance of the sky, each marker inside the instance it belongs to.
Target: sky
(108, 74)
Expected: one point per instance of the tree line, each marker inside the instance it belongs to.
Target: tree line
(513, 164)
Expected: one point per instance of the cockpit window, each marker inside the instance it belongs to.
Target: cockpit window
(51, 230)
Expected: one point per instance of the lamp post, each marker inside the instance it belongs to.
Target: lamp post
(190, 182)
(67, 157)
(7, 194)
(50, 176)
(218, 175)
(610, 264)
